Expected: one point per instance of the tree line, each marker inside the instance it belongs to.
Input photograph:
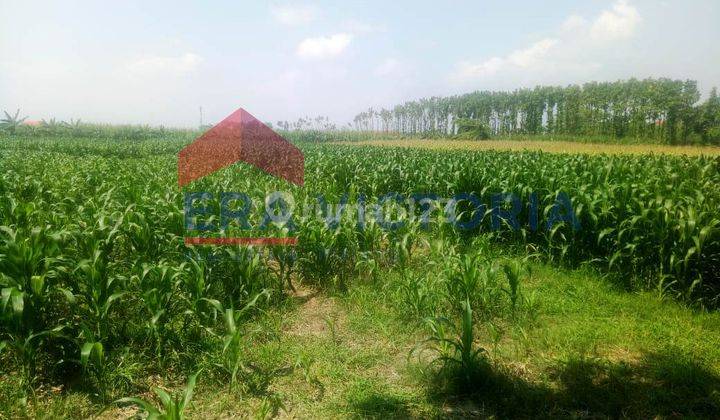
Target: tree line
(661, 110)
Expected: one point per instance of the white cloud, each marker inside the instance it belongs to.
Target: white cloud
(532, 55)
(467, 70)
(523, 58)
(324, 46)
(333, 45)
(358, 27)
(618, 23)
(294, 14)
(573, 23)
(389, 67)
(579, 48)
(163, 65)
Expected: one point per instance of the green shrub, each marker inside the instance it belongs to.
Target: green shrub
(470, 129)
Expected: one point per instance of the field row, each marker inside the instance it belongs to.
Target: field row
(549, 146)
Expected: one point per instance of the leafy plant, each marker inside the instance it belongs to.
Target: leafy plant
(474, 278)
(11, 122)
(234, 350)
(468, 128)
(93, 361)
(172, 407)
(25, 350)
(454, 345)
(513, 273)
(420, 294)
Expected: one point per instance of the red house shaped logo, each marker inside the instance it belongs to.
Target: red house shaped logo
(241, 138)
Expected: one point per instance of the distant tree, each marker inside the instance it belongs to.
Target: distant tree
(11, 122)
(472, 129)
(709, 118)
(658, 109)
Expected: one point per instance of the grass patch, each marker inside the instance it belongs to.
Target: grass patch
(591, 350)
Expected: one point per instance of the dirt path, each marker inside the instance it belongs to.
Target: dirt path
(317, 315)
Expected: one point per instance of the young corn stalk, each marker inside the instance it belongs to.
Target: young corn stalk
(454, 346)
(234, 350)
(172, 406)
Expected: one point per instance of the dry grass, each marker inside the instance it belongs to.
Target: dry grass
(316, 316)
(547, 146)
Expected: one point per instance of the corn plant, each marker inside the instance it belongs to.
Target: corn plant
(513, 272)
(234, 350)
(472, 277)
(99, 290)
(197, 287)
(94, 362)
(160, 288)
(172, 406)
(419, 293)
(367, 266)
(454, 345)
(285, 258)
(320, 250)
(92, 226)
(25, 349)
(244, 273)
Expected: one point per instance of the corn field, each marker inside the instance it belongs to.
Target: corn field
(93, 264)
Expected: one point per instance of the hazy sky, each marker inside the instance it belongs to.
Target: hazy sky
(156, 62)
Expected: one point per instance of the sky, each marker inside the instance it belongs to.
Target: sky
(158, 62)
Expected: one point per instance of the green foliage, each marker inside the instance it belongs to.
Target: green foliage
(660, 110)
(234, 347)
(514, 272)
(11, 122)
(471, 129)
(326, 136)
(93, 265)
(709, 118)
(75, 129)
(454, 346)
(172, 406)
